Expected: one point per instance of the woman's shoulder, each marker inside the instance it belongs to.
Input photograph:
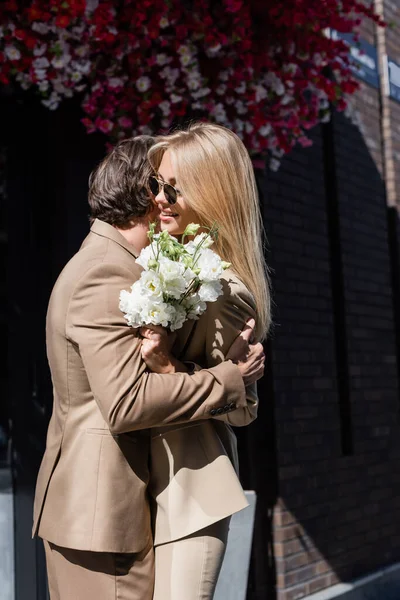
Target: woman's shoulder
(233, 286)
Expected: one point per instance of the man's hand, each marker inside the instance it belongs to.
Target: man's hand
(249, 358)
(156, 350)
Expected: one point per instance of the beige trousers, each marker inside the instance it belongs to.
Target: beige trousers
(188, 569)
(80, 575)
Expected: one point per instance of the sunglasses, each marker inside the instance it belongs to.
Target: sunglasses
(170, 192)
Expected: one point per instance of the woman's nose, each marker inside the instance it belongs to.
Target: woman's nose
(160, 198)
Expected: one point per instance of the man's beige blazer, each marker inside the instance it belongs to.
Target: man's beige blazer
(193, 474)
(91, 491)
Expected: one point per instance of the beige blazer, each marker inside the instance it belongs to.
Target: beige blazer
(92, 483)
(193, 474)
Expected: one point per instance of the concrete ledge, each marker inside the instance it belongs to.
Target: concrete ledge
(232, 581)
(381, 585)
(6, 536)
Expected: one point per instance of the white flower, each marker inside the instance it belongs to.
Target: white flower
(41, 63)
(209, 291)
(201, 93)
(115, 82)
(210, 265)
(24, 80)
(40, 74)
(146, 254)
(218, 112)
(240, 89)
(12, 53)
(213, 49)
(157, 313)
(162, 59)
(82, 51)
(178, 318)
(40, 27)
(175, 98)
(286, 99)
(53, 102)
(58, 86)
(129, 305)
(194, 306)
(40, 50)
(274, 164)
(43, 86)
(165, 107)
(290, 68)
(143, 83)
(151, 285)
(184, 50)
(91, 5)
(76, 76)
(221, 89)
(194, 81)
(171, 75)
(261, 93)
(173, 277)
(203, 238)
(185, 59)
(265, 130)
(273, 82)
(325, 118)
(145, 130)
(58, 62)
(164, 22)
(240, 108)
(82, 66)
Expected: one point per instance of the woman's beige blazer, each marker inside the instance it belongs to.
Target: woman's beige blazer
(91, 491)
(194, 466)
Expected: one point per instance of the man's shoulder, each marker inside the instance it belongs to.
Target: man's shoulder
(95, 253)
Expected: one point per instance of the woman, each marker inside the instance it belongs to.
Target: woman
(204, 175)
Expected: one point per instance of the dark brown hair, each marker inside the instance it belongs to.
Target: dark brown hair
(118, 186)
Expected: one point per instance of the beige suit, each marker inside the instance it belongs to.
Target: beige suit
(91, 489)
(194, 466)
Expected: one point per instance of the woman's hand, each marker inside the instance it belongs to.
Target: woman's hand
(250, 358)
(156, 350)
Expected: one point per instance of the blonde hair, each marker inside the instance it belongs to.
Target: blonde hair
(215, 175)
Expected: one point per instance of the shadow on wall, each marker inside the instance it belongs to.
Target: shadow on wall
(324, 451)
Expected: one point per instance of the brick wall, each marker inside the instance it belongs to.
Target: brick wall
(334, 363)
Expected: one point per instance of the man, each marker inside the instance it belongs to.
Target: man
(91, 506)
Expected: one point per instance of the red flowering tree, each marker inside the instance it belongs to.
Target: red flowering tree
(268, 70)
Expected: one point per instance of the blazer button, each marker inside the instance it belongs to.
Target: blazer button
(220, 411)
(226, 408)
(232, 406)
(213, 411)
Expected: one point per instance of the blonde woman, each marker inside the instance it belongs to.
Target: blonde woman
(204, 175)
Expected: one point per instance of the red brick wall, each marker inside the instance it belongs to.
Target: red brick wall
(336, 514)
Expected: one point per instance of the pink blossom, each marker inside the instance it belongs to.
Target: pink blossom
(125, 122)
(104, 125)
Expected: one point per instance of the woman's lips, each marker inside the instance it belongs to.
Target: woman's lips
(167, 216)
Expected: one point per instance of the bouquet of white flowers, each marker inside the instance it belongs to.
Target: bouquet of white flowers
(177, 281)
